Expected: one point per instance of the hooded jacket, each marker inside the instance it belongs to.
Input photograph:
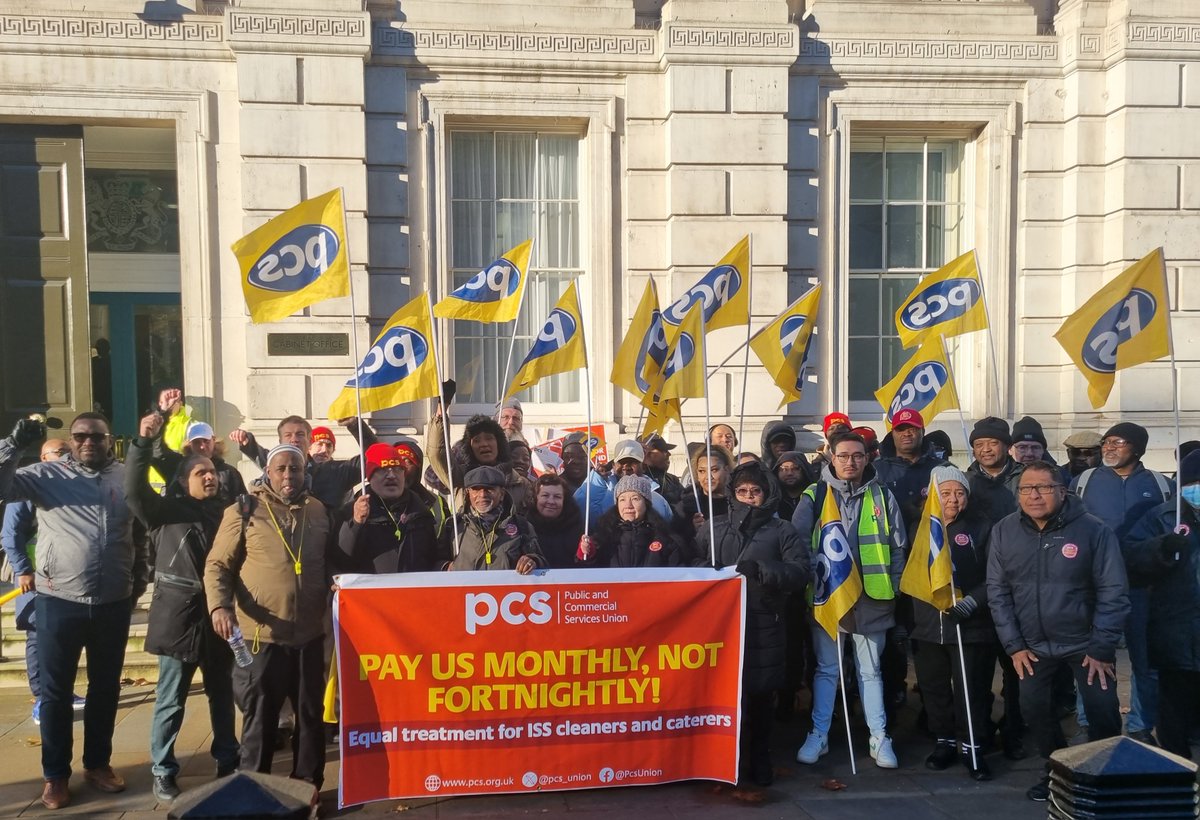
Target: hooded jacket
(787, 503)
(464, 460)
(1059, 591)
(230, 483)
(967, 538)
(373, 547)
(86, 549)
(1121, 502)
(868, 615)
(648, 542)
(773, 429)
(509, 537)
(1174, 581)
(781, 567)
(251, 570)
(695, 501)
(558, 537)
(182, 529)
(907, 480)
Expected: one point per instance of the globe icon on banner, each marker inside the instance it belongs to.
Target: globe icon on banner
(433, 783)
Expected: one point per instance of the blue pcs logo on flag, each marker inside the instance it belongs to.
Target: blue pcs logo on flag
(499, 280)
(714, 290)
(394, 356)
(559, 329)
(833, 563)
(919, 388)
(1124, 320)
(685, 351)
(942, 301)
(654, 348)
(789, 330)
(296, 259)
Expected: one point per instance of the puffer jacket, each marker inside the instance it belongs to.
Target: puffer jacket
(1121, 502)
(253, 571)
(374, 546)
(694, 501)
(1174, 631)
(907, 480)
(558, 537)
(645, 543)
(506, 539)
(967, 539)
(1059, 591)
(182, 529)
(86, 549)
(995, 496)
(755, 534)
(868, 615)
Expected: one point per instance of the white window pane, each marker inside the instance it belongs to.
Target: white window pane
(895, 290)
(558, 173)
(559, 231)
(514, 224)
(904, 236)
(944, 234)
(865, 316)
(514, 166)
(864, 369)
(904, 176)
(471, 171)
(472, 242)
(866, 237)
(866, 175)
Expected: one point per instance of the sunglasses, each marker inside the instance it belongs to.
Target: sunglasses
(95, 438)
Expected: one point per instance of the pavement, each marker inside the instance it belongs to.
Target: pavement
(909, 793)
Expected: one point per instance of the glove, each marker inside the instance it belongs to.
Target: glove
(751, 569)
(1174, 545)
(586, 550)
(962, 610)
(27, 431)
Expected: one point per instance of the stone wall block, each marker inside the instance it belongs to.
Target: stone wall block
(1190, 195)
(1043, 197)
(758, 89)
(333, 80)
(385, 90)
(700, 243)
(802, 196)
(725, 140)
(387, 192)
(289, 132)
(645, 96)
(645, 145)
(349, 176)
(803, 140)
(1161, 132)
(648, 246)
(758, 191)
(1150, 185)
(386, 141)
(1144, 83)
(275, 395)
(647, 195)
(1044, 101)
(698, 191)
(270, 185)
(1191, 85)
(804, 98)
(268, 78)
(697, 88)
(388, 242)
(1043, 148)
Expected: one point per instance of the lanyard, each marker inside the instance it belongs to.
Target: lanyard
(295, 556)
(489, 538)
(395, 523)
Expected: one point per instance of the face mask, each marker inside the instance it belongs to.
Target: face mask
(1191, 494)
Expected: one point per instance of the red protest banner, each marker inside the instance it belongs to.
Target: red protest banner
(488, 682)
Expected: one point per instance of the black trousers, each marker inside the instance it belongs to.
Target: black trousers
(1178, 710)
(1010, 690)
(939, 674)
(757, 718)
(281, 673)
(1037, 690)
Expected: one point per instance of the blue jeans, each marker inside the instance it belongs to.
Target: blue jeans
(867, 651)
(1143, 678)
(174, 680)
(65, 629)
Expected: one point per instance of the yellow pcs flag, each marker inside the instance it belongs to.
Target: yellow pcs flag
(929, 574)
(644, 346)
(724, 292)
(782, 345)
(494, 294)
(1124, 324)
(399, 367)
(297, 259)
(684, 374)
(659, 414)
(925, 384)
(559, 346)
(837, 584)
(947, 302)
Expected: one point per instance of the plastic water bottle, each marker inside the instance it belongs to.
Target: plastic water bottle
(241, 652)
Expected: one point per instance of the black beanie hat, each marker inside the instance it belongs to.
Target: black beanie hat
(1189, 470)
(992, 427)
(1027, 428)
(1135, 434)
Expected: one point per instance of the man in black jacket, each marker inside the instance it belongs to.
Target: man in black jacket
(182, 524)
(1059, 596)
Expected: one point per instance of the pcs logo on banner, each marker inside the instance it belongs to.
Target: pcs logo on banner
(714, 291)
(501, 279)
(942, 301)
(394, 356)
(1118, 325)
(559, 329)
(296, 259)
(919, 389)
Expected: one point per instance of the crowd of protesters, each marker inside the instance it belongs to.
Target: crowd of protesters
(1054, 565)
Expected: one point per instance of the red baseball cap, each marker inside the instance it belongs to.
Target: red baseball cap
(908, 418)
(381, 455)
(868, 435)
(323, 434)
(835, 418)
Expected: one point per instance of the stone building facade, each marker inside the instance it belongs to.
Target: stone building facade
(861, 143)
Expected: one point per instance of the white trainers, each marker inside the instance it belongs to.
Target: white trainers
(882, 753)
(814, 746)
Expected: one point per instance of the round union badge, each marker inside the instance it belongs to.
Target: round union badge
(511, 529)
(962, 539)
(655, 546)
(1070, 550)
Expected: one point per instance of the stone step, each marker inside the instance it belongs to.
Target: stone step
(138, 666)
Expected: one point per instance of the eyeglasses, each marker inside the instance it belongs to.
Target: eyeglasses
(1031, 447)
(749, 491)
(844, 457)
(1114, 443)
(1040, 489)
(392, 470)
(95, 438)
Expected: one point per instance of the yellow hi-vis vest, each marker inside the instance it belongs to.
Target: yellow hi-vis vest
(874, 547)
